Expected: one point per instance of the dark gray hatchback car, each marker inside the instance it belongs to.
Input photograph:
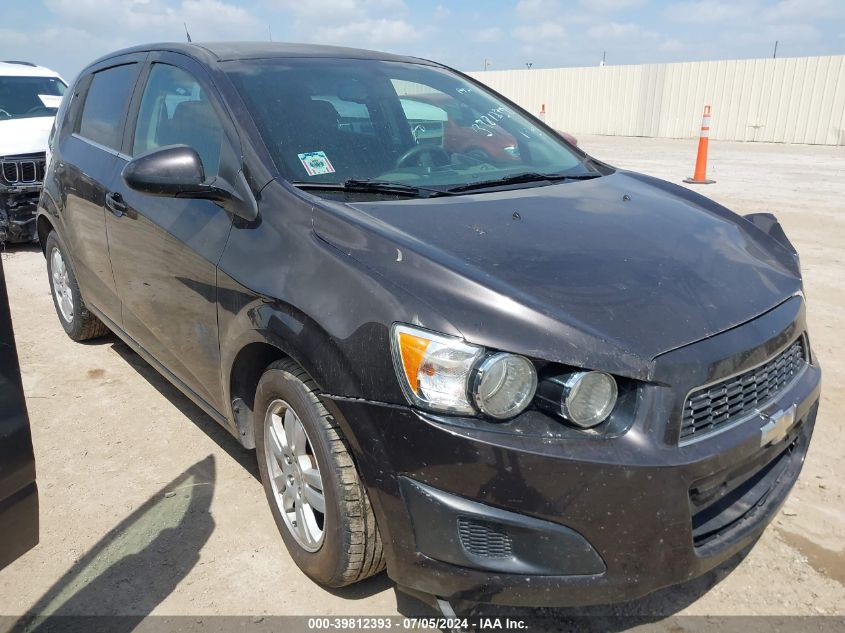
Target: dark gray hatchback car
(526, 378)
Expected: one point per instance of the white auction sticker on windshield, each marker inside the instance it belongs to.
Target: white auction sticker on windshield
(50, 101)
(316, 163)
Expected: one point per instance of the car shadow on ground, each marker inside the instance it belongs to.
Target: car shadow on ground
(28, 247)
(136, 565)
(359, 591)
(200, 418)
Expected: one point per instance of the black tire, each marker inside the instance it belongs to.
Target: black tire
(83, 325)
(351, 549)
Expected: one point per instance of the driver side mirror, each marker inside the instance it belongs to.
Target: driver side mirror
(176, 171)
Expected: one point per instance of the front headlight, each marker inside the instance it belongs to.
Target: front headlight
(585, 398)
(504, 385)
(445, 374)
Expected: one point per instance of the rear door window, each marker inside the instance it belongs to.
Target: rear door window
(105, 105)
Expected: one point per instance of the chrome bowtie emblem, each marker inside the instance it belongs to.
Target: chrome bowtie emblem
(777, 427)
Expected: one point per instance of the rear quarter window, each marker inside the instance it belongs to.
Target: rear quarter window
(105, 105)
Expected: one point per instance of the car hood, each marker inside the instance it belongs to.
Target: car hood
(24, 136)
(607, 273)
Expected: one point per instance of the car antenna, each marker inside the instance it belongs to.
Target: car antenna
(186, 31)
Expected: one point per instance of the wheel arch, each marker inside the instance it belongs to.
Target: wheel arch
(248, 366)
(256, 349)
(43, 228)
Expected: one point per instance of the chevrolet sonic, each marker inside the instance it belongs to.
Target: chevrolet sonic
(506, 371)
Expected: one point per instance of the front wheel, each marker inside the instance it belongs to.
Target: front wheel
(318, 501)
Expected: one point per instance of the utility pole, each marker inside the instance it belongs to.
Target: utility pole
(269, 32)
(775, 54)
(603, 58)
(487, 63)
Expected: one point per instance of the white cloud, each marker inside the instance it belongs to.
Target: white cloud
(804, 9)
(441, 12)
(492, 34)
(611, 6)
(617, 31)
(671, 45)
(761, 38)
(709, 12)
(542, 9)
(11, 38)
(544, 31)
(48, 47)
(213, 19)
(358, 23)
(340, 10)
(154, 20)
(380, 32)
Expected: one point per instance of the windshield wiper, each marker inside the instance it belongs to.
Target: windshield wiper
(520, 178)
(373, 186)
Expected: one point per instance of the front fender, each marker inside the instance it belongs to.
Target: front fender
(274, 323)
(278, 282)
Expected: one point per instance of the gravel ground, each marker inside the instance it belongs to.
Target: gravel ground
(147, 506)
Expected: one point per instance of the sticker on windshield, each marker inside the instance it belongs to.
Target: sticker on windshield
(316, 163)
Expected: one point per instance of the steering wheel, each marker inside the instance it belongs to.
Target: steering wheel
(437, 155)
(4, 113)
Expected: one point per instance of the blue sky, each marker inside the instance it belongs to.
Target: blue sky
(66, 34)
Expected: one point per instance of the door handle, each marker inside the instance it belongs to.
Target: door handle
(115, 203)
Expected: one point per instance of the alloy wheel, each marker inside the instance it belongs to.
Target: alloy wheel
(61, 285)
(294, 475)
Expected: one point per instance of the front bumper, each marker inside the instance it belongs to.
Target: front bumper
(472, 515)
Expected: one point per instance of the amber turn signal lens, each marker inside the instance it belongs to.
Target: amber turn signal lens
(434, 369)
(412, 348)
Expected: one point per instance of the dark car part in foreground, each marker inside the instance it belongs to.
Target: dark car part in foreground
(18, 490)
(527, 380)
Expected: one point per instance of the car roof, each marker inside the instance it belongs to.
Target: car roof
(211, 52)
(25, 69)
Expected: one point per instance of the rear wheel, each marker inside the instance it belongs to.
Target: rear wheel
(74, 316)
(318, 501)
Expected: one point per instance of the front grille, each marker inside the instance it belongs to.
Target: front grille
(10, 172)
(23, 170)
(27, 171)
(710, 408)
(483, 539)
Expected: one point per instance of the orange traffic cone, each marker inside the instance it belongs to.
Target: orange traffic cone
(543, 112)
(700, 176)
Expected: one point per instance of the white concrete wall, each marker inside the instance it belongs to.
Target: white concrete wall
(789, 100)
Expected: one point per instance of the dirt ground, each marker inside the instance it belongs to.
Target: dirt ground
(147, 506)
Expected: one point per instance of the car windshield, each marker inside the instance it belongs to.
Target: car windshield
(334, 121)
(26, 97)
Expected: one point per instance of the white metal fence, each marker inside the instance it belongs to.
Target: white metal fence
(789, 100)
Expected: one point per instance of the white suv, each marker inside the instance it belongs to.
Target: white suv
(29, 98)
